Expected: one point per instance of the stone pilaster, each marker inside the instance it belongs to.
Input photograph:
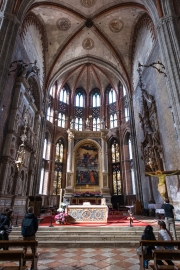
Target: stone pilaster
(170, 49)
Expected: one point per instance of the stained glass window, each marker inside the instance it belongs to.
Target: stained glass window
(95, 95)
(112, 96)
(116, 168)
(63, 95)
(59, 151)
(61, 120)
(79, 100)
(115, 152)
(78, 124)
(58, 167)
(117, 179)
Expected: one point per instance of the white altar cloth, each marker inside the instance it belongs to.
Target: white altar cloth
(88, 213)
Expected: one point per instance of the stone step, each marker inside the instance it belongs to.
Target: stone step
(87, 236)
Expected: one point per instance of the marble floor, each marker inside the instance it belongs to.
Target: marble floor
(86, 259)
(54, 258)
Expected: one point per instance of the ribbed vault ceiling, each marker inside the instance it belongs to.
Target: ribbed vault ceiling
(101, 30)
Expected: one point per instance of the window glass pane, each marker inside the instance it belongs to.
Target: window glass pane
(111, 121)
(63, 120)
(94, 124)
(81, 101)
(113, 153)
(130, 149)
(98, 100)
(110, 97)
(41, 181)
(65, 97)
(76, 123)
(114, 96)
(115, 120)
(80, 124)
(48, 113)
(94, 101)
(77, 100)
(98, 124)
(45, 148)
(124, 91)
(61, 95)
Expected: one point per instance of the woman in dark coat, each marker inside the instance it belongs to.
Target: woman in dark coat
(6, 226)
(148, 235)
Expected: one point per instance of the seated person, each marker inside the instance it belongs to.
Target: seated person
(148, 235)
(165, 235)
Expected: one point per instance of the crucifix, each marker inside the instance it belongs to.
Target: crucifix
(161, 175)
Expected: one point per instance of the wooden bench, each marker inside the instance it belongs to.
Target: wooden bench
(151, 243)
(165, 254)
(33, 256)
(12, 255)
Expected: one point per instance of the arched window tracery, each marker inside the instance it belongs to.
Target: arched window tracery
(112, 110)
(79, 109)
(117, 185)
(57, 183)
(96, 101)
(44, 173)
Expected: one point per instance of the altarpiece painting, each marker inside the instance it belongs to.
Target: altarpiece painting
(87, 165)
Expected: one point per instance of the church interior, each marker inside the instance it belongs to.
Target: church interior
(89, 105)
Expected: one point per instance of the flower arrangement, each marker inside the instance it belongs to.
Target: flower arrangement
(61, 217)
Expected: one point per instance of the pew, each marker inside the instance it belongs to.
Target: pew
(32, 244)
(12, 255)
(165, 255)
(157, 243)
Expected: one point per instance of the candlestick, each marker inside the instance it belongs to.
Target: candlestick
(60, 199)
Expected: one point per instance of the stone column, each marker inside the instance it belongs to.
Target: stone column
(70, 150)
(170, 50)
(104, 151)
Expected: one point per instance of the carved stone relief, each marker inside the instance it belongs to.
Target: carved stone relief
(104, 180)
(88, 44)
(69, 180)
(151, 147)
(63, 24)
(88, 3)
(116, 25)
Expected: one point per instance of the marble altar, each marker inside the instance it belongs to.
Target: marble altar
(88, 213)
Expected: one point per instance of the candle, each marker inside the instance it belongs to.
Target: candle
(60, 200)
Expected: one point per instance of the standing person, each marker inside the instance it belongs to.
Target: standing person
(148, 235)
(3, 215)
(29, 225)
(165, 235)
(169, 217)
(6, 226)
(29, 228)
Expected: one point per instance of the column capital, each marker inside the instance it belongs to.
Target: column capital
(164, 20)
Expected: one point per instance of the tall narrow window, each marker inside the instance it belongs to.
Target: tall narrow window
(57, 183)
(79, 109)
(126, 106)
(63, 95)
(95, 97)
(116, 168)
(63, 106)
(61, 120)
(112, 96)
(113, 121)
(44, 172)
(79, 100)
(131, 166)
